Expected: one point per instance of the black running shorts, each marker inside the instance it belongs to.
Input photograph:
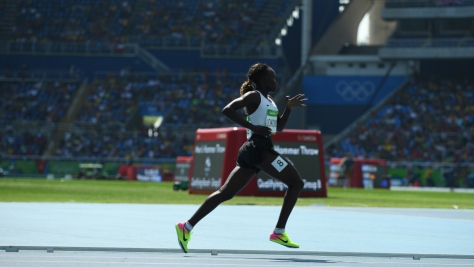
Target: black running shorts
(253, 151)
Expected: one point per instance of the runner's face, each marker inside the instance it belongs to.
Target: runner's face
(270, 82)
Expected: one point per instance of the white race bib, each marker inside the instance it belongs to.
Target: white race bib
(271, 120)
(249, 132)
(279, 163)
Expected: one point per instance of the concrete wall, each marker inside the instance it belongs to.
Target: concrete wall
(344, 28)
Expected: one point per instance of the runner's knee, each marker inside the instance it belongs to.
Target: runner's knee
(225, 194)
(299, 183)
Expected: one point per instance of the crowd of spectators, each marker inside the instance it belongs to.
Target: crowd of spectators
(43, 21)
(105, 143)
(101, 24)
(196, 100)
(22, 142)
(109, 100)
(216, 21)
(186, 98)
(449, 2)
(187, 101)
(2, 9)
(429, 120)
(26, 109)
(35, 101)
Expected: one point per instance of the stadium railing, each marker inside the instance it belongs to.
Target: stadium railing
(41, 75)
(106, 139)
(392, 164)
(426, 3)
(220, 51)
(87, 48)
(428, 165)
(133, 47)
(431, 42)
(19, 126)
(239, 77)
(90, 159)
(166, 42)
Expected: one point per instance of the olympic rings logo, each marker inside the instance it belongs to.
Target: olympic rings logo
(355, 90)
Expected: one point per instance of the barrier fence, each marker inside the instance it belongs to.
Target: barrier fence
(435, 174)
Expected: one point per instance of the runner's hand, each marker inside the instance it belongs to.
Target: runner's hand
(296, 101)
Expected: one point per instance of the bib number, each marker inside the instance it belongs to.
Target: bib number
(279, 163)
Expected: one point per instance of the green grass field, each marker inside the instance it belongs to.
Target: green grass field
(89, 191)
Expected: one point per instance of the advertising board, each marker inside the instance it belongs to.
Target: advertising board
(216, 151)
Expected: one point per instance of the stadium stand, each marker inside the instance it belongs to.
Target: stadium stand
(220, 22)
(105, 125)
(71, 21)
(35, 101)
(108, 101)
(428, 30)
(427, 124)
(426, 3)
(248, 32)
(31, 104)
(188, 98)
(102, 142)
(2, 8)
(100, 127)
(25, 139)
(92, 26)
(97, 112)
(429, 120)
(96, 26)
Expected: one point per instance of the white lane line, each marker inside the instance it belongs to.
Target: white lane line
(247, 252)
(158, 263)
(184, 257)
(409, 263)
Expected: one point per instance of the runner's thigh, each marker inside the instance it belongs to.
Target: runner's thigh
(237, 180)
(288, 175)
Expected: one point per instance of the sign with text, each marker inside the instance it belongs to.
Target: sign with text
(375, 175)
(182, 168)
(148, 173)
(367, 173)
(216, 151)
(208, 160)
(303, 157)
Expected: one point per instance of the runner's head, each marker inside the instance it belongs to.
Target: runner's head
(259, 75)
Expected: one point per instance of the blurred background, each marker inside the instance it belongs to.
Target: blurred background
(87, 86)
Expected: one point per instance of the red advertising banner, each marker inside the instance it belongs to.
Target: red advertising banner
(215, 156)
